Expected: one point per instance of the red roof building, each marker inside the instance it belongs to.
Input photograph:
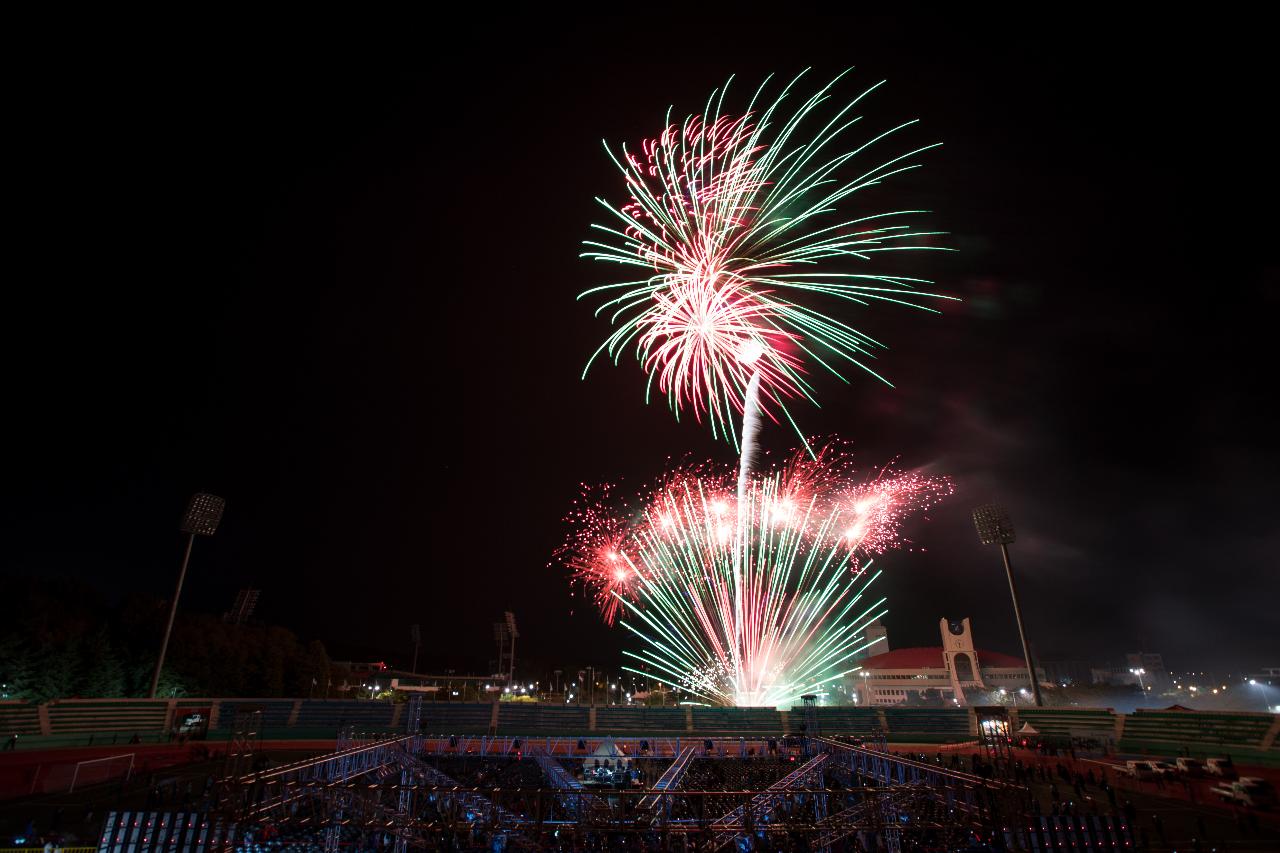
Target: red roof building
(931, 657)
(949, 671)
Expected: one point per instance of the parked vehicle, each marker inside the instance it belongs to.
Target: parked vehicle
(1162, 768)
(1251, 791)
(1220, 767)
(1191, 766)
(1138, 769)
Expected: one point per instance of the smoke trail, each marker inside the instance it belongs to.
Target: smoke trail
(750, 431)
(746, 463)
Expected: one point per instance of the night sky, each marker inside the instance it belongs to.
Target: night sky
(340, 293)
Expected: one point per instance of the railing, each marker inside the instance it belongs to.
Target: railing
(669, 778)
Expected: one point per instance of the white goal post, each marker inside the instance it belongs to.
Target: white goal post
(128, 773)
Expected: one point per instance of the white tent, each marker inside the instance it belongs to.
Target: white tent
(607, 754)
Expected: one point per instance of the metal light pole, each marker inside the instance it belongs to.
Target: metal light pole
(204, 512)
(995, 528)
(415, 634)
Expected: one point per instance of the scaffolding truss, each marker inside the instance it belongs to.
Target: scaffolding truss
(389, 787)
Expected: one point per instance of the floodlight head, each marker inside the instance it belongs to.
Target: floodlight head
(203, 514)
(994, 525)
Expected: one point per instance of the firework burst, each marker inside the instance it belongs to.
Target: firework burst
(749, 600)
(738, 227)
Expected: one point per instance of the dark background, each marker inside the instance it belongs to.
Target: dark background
(340, 293)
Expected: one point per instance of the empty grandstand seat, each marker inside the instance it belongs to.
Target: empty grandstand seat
(639, 720)
(1099, 723)
(1220, 730)
(529, 719)
(736, 721)
(934, 722)
(461, 718)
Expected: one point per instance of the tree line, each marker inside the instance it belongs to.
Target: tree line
(60, 639)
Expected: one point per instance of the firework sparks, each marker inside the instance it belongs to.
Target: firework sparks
(740, 226)
(749, 600)
(597, 553)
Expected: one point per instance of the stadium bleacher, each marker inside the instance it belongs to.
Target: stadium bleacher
(18, 717)
(325, 716)
(276, 714)
(76, 721)
(1094, 723)
(534, 719)
(737, 721)
(1224, 731)
(456, 718)
(638, 720)
(840, 720)
(90, 715)
(927, 724)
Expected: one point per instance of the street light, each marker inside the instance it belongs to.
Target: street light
(1261, 691)
(204, 512)
(1141, 684)
(995, 528)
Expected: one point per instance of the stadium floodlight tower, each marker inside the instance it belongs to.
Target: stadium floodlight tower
(505, 634)
(995, 528)
(204, 512)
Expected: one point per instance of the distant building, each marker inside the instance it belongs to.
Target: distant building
(1269, 675)
(1155, 674)
(944, 672)
(1113, 675)
(1145, 670)
(876, 635)
(362, 668)
(1064, 671)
